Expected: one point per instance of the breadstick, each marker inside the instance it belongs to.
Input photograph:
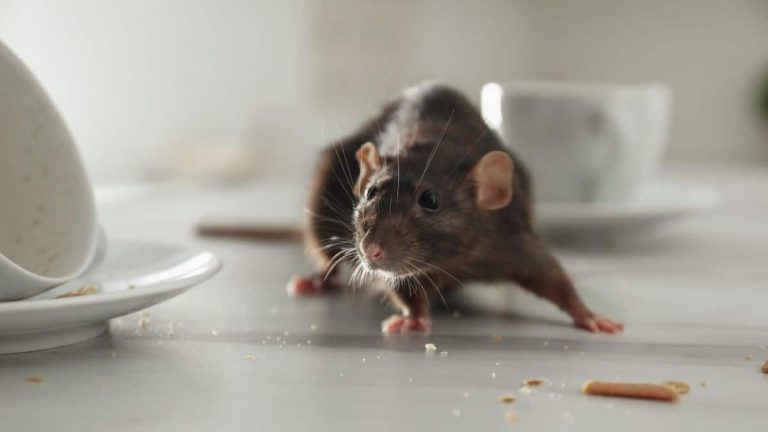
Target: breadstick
(631, 390)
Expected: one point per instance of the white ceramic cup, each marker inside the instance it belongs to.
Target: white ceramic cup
(48, 229)
(582, 142)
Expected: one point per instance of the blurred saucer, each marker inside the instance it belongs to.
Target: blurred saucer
(133, 276)
(657, 204)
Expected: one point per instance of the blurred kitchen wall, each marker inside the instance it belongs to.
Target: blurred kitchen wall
(150, 87)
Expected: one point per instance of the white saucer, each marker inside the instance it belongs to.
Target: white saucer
(132, 276)
(657, 204)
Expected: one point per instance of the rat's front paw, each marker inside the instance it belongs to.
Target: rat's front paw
(406, 324)
(315, 284)
(598, 324)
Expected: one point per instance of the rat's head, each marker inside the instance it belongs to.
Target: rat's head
(415, 215)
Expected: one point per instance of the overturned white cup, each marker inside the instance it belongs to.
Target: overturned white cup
(48, 229)
(582, 142)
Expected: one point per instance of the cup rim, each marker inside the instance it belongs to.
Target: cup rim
(579, 88)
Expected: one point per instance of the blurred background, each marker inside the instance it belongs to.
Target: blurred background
(235, 89)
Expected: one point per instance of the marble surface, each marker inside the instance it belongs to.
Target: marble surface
(237, 354)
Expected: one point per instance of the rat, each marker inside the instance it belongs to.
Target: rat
(422, 199)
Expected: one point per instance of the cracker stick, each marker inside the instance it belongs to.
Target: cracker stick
(631, 390)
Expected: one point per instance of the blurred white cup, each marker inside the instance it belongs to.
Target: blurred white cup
(582, 142)
(48, 229)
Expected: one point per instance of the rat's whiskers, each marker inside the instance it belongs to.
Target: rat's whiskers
(434, 148)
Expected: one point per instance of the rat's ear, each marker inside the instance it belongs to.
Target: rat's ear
(492, 176)
(369, 161)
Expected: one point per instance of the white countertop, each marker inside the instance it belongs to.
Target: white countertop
(247, 357)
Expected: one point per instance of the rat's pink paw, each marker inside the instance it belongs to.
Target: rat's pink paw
(302, 286)
(405, 324)
(598, 324)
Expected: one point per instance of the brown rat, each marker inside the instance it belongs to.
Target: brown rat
(424, 198)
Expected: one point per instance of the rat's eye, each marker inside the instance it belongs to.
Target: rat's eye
(372, 191)
(429, 201)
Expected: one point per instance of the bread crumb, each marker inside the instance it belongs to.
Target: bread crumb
(83, 291)
(534, 382)
(456, 412)
(215, 332)
(748, 358)
(430, 347)
(681, 387)
(443, 353)
(703, 384)
(250, 357)
(33, 380)
(144, 322)
(510, 416)
(765, 368)
(313, 327)
(507, 399)
(525, 390)
(497, 338)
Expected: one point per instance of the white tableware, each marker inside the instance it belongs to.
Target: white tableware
(48, 229)
(132, 276)
(657, 203)
(582, 143)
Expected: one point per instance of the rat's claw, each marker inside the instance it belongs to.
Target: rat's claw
(598, 324)
(406, 324)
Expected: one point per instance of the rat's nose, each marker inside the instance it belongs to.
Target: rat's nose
(373, 251)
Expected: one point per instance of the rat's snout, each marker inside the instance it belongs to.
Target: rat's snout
(373, 251)
(384, 246)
